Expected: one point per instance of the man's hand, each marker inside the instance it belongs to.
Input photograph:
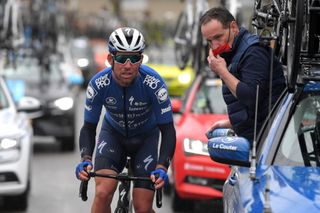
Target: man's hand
(162, 178)
(219, 124)
(82, 170)
(216, 63)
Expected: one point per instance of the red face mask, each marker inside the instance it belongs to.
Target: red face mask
(221, 49)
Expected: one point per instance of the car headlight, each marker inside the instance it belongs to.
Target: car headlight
(184, 78)
(9, 149)
(64, 103)
(192, 146)
(82, 62)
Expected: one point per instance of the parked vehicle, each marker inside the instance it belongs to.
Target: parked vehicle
(284, 173)
(16, 141)
(177, 80)
(195, 177)
(56, 114)
(279, 170)
(83, 57)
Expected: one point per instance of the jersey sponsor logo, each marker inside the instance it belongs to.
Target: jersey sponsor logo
(167, 109)
(101, 146)
(151, 81)
(162, 94)
(140, 103)
(131, 100)
(111, 101)
(102, 81)
(133, 124)
(148, 160)
(91, 93)
(137, 108)
(88, 107)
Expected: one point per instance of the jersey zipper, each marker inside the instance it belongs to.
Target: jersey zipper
(125, 112)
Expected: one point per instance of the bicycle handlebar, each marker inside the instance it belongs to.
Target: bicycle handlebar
(121, 177)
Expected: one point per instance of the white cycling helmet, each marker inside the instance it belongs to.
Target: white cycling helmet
(126, 39)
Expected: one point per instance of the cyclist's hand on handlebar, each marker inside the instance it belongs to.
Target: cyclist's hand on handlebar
(82, 170)
(159, 177)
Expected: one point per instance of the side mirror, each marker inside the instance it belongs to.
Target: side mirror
(176, 104)
(30, 105)
(230, 150)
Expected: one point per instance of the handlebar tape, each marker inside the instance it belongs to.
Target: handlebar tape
(83, 190)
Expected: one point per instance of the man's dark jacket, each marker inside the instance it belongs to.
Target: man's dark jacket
(249, 61)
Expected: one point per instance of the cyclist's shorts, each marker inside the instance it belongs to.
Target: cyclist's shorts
(113, 148)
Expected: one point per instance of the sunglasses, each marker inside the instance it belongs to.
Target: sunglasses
(122, 59)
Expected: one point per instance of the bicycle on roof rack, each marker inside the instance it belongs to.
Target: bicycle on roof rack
(281, 23)
(124, 204)
(188, 40)
(11, 33)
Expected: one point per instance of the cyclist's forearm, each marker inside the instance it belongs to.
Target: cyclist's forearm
(168, 144)
(87, 140)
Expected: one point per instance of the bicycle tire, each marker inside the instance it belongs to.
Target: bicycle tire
(294, 37)
(199, 53)
(182, 42)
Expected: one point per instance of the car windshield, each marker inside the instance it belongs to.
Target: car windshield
(30, 70)
(3, 99)
(209, 98)
(300, 145)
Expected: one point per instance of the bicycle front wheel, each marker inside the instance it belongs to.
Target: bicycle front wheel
(182, 41)
(295, 10)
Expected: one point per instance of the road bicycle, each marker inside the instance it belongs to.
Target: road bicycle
(124, 204)
(187, 37)
(281, 23)
(11, 34)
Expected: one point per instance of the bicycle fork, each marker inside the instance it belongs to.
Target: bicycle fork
(123, 205)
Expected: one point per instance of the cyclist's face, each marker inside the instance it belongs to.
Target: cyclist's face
(125, 66)
(217, 35)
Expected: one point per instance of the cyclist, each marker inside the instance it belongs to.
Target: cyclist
(138, 108)
(242, 63)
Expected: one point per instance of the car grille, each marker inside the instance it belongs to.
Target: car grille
(8, 177)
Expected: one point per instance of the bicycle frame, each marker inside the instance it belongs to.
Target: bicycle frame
(12, 23)
(123, 204)
(188, 39)
(281, 22)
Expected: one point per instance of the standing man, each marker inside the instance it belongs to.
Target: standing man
(138, 108)
(243, 64)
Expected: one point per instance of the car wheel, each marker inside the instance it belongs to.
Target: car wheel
(18, 202)
(67, 143)
(179, 205)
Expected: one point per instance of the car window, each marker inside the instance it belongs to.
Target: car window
(3, 99)
(209, 98)
(300, 145)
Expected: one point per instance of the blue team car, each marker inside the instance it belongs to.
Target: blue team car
(280, 170)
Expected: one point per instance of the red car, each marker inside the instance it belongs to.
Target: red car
(194, 175)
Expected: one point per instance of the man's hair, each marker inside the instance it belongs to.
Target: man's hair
(220, 14)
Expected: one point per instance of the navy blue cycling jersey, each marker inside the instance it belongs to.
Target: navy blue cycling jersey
(130, 110)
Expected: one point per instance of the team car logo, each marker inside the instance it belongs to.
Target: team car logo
(91, 93)
(162, 94)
